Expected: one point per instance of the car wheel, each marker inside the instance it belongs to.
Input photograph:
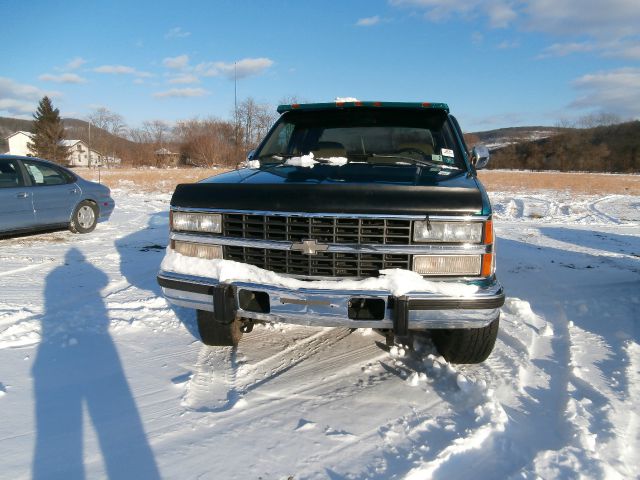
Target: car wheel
(469, 345)
(218, 334)
(85, 217)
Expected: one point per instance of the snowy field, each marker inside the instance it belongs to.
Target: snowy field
(99, 377)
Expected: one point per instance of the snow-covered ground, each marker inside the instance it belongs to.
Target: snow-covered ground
(100, 377)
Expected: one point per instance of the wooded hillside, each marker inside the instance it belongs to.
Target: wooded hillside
(611, 148)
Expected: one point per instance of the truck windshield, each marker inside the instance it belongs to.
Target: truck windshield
(381, 136)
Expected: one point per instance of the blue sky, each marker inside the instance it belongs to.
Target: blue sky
(497, 63)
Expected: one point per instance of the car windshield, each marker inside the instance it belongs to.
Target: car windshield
(379, 136)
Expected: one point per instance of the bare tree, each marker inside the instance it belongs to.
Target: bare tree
(253, 120)
(158, 131)
(206, 143)
(109, 125)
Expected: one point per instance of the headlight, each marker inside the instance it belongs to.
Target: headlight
(197, 222)
(450, 232)
(447, 264)
(199, 250)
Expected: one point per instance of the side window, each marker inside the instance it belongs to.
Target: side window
(283, 137)
(10, 176)
(42, 175)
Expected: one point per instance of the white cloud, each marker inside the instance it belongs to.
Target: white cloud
(16, 107)
(62, 78)
(621, 48)
(242, 68)
(184, 79)
(178, 62)
(600, 22)
(368, 21)
(508, 44)
(501, 14)
(19, 99)
(564, 49)
(115, 69)
(182, 93)
(75, 63)
(617, 18)
(121, 70)
(614, 91)
(176, 32)
(438, 10)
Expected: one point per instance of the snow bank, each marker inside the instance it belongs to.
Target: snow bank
(396, 281)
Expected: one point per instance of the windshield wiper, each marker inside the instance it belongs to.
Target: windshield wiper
(412, 160)
(280, 157)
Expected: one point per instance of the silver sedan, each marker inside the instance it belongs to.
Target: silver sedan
(37, 194)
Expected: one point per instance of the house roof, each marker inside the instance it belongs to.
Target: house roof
(28, 134)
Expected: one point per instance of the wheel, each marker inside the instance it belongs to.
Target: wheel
(84, 218)
(217, 334)
(469, 345)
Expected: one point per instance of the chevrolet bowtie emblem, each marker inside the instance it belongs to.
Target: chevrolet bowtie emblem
(309, 247)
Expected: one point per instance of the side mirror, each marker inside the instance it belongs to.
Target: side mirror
(248, 162)
(480, 156)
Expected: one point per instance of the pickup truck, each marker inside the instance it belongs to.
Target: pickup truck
(348, 214)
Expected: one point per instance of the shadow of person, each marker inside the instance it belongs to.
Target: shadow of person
(78, 369)
(141, 254)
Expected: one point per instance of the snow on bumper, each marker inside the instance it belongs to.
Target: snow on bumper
(405, 299)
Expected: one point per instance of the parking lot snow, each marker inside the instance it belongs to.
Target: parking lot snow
(101, 377)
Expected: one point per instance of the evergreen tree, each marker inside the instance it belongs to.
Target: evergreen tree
(48, 133)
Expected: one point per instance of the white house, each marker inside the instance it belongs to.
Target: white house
(79, 153)
(18, 143)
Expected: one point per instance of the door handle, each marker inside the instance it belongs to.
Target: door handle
(22, 195)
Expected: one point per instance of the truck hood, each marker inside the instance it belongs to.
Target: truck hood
(353, 188)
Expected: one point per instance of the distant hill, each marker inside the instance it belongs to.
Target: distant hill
(501, 137)
(611, 148)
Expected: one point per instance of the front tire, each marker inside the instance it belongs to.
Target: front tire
(469, 345)
(84, 218)
(217, 334)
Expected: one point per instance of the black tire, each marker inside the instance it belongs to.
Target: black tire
(217, 334)
(84, 218)
(470, 345)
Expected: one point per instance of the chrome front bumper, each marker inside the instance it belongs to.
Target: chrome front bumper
(329, 308)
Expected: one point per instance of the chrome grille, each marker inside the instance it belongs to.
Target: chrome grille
(322, 229)
(322, 264)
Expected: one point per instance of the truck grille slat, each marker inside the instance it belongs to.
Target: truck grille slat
(323, 229)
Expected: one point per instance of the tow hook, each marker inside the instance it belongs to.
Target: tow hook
(247, 325)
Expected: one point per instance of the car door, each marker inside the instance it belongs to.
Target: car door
(16, 207)
(55, 193)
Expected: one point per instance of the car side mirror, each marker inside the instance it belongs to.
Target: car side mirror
(480, 156)
(247, 162)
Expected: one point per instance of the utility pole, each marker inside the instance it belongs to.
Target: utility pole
(89, 147)
(235, 108)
